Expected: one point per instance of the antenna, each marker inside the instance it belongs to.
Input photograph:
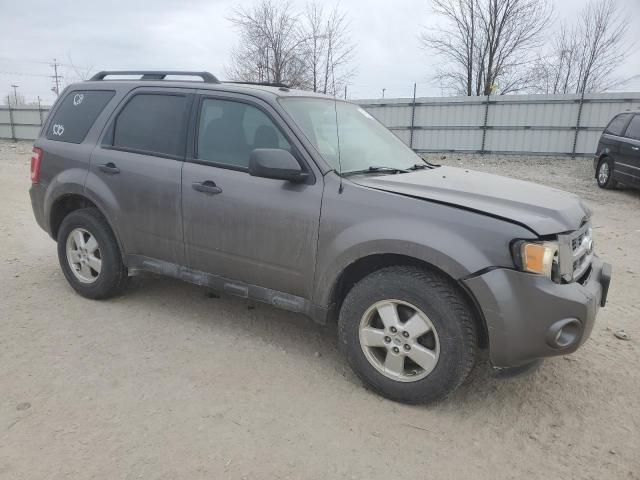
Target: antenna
(335, 109)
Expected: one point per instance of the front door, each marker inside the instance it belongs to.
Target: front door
(258, 231)
(136, 173)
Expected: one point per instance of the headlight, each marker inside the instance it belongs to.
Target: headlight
(536, 257)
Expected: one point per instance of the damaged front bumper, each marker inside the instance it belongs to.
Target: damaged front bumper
(529, 317)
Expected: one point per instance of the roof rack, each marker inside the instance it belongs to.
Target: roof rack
(266, 84)
(155, 75)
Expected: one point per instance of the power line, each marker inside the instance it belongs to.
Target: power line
(42, 62)
(24, 74)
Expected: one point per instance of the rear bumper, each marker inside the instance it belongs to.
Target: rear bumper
(37, 192)
(529, 317)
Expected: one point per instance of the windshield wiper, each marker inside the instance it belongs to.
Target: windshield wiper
(374, 169)
(419, 166)
(387, 169)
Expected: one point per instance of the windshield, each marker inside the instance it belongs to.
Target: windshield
(364, 142)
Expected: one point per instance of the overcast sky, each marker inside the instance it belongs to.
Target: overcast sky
(197, 35)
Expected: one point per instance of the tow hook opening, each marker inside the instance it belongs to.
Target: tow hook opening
(564, 333)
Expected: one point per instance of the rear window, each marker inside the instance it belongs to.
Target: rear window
(153, 124)
(618, 124)
(634, 128)
(76, 114)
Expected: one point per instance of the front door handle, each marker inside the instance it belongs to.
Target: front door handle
(207, 187)
(635, 148)
(109, 168)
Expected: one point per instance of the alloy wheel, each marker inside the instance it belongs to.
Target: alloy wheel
(399, 340)
(83, 255)
(603, 173)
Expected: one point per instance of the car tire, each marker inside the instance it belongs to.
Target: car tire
(604, 174)
(417, 293)
(89, 255)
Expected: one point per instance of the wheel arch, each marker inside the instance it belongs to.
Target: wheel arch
(360, 268)
(70, 202)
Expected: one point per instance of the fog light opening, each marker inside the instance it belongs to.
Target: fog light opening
(564, 333)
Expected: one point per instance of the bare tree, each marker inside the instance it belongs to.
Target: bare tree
(315, 43)
(14, 99)
(487, 45)
(82, 72)
(270, 45)
(584, 56)
(328, 51)
(311, 51)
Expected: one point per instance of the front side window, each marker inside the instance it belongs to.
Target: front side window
(153, 124)
(229, 131)
(347, 136)
(76, 114)
(633, 130)
(618, 124)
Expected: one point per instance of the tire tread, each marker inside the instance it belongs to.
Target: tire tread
(446, 289)
(117, 278)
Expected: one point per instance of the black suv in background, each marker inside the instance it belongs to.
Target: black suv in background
(617, 159)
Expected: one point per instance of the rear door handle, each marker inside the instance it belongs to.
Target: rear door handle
(207, 187)
(109, 168)
(635, 148)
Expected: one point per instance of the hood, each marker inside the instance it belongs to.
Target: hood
(543, 210)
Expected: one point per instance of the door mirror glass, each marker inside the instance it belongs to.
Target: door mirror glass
(275, 163)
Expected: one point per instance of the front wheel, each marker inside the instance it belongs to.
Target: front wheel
(89, 255)
(604, 174)
(408, 334)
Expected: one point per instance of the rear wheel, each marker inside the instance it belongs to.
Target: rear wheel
(604, 175)
(89, 255)
(408, 334)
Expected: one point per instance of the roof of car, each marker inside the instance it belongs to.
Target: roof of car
(253, 89)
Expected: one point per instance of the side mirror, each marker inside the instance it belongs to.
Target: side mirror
(275, 163)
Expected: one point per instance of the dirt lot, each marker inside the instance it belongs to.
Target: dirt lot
(166, 382)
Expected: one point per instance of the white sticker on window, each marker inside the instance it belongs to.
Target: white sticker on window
(365, 113)
(77, 99)
(58, 129)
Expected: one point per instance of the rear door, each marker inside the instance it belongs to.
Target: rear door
(136, 172)
(258, 231)
(629, 161)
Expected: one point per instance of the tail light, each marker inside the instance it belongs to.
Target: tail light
(36, 161)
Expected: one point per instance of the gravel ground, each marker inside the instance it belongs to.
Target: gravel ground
(168, 382)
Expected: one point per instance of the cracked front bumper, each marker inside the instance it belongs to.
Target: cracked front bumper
(524, 312)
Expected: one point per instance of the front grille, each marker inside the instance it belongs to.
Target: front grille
(576, 253)
(576, 242)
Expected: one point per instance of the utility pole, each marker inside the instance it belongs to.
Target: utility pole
(345, 92)
(56, 77)
(413, 116)
(40, 110)
(383, 90)
(15, 94)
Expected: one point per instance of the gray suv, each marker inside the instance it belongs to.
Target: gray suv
(309, 204)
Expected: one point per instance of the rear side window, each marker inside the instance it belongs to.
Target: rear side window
(76, 114)
(153, 124)
(633, 131)
(618, 124)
